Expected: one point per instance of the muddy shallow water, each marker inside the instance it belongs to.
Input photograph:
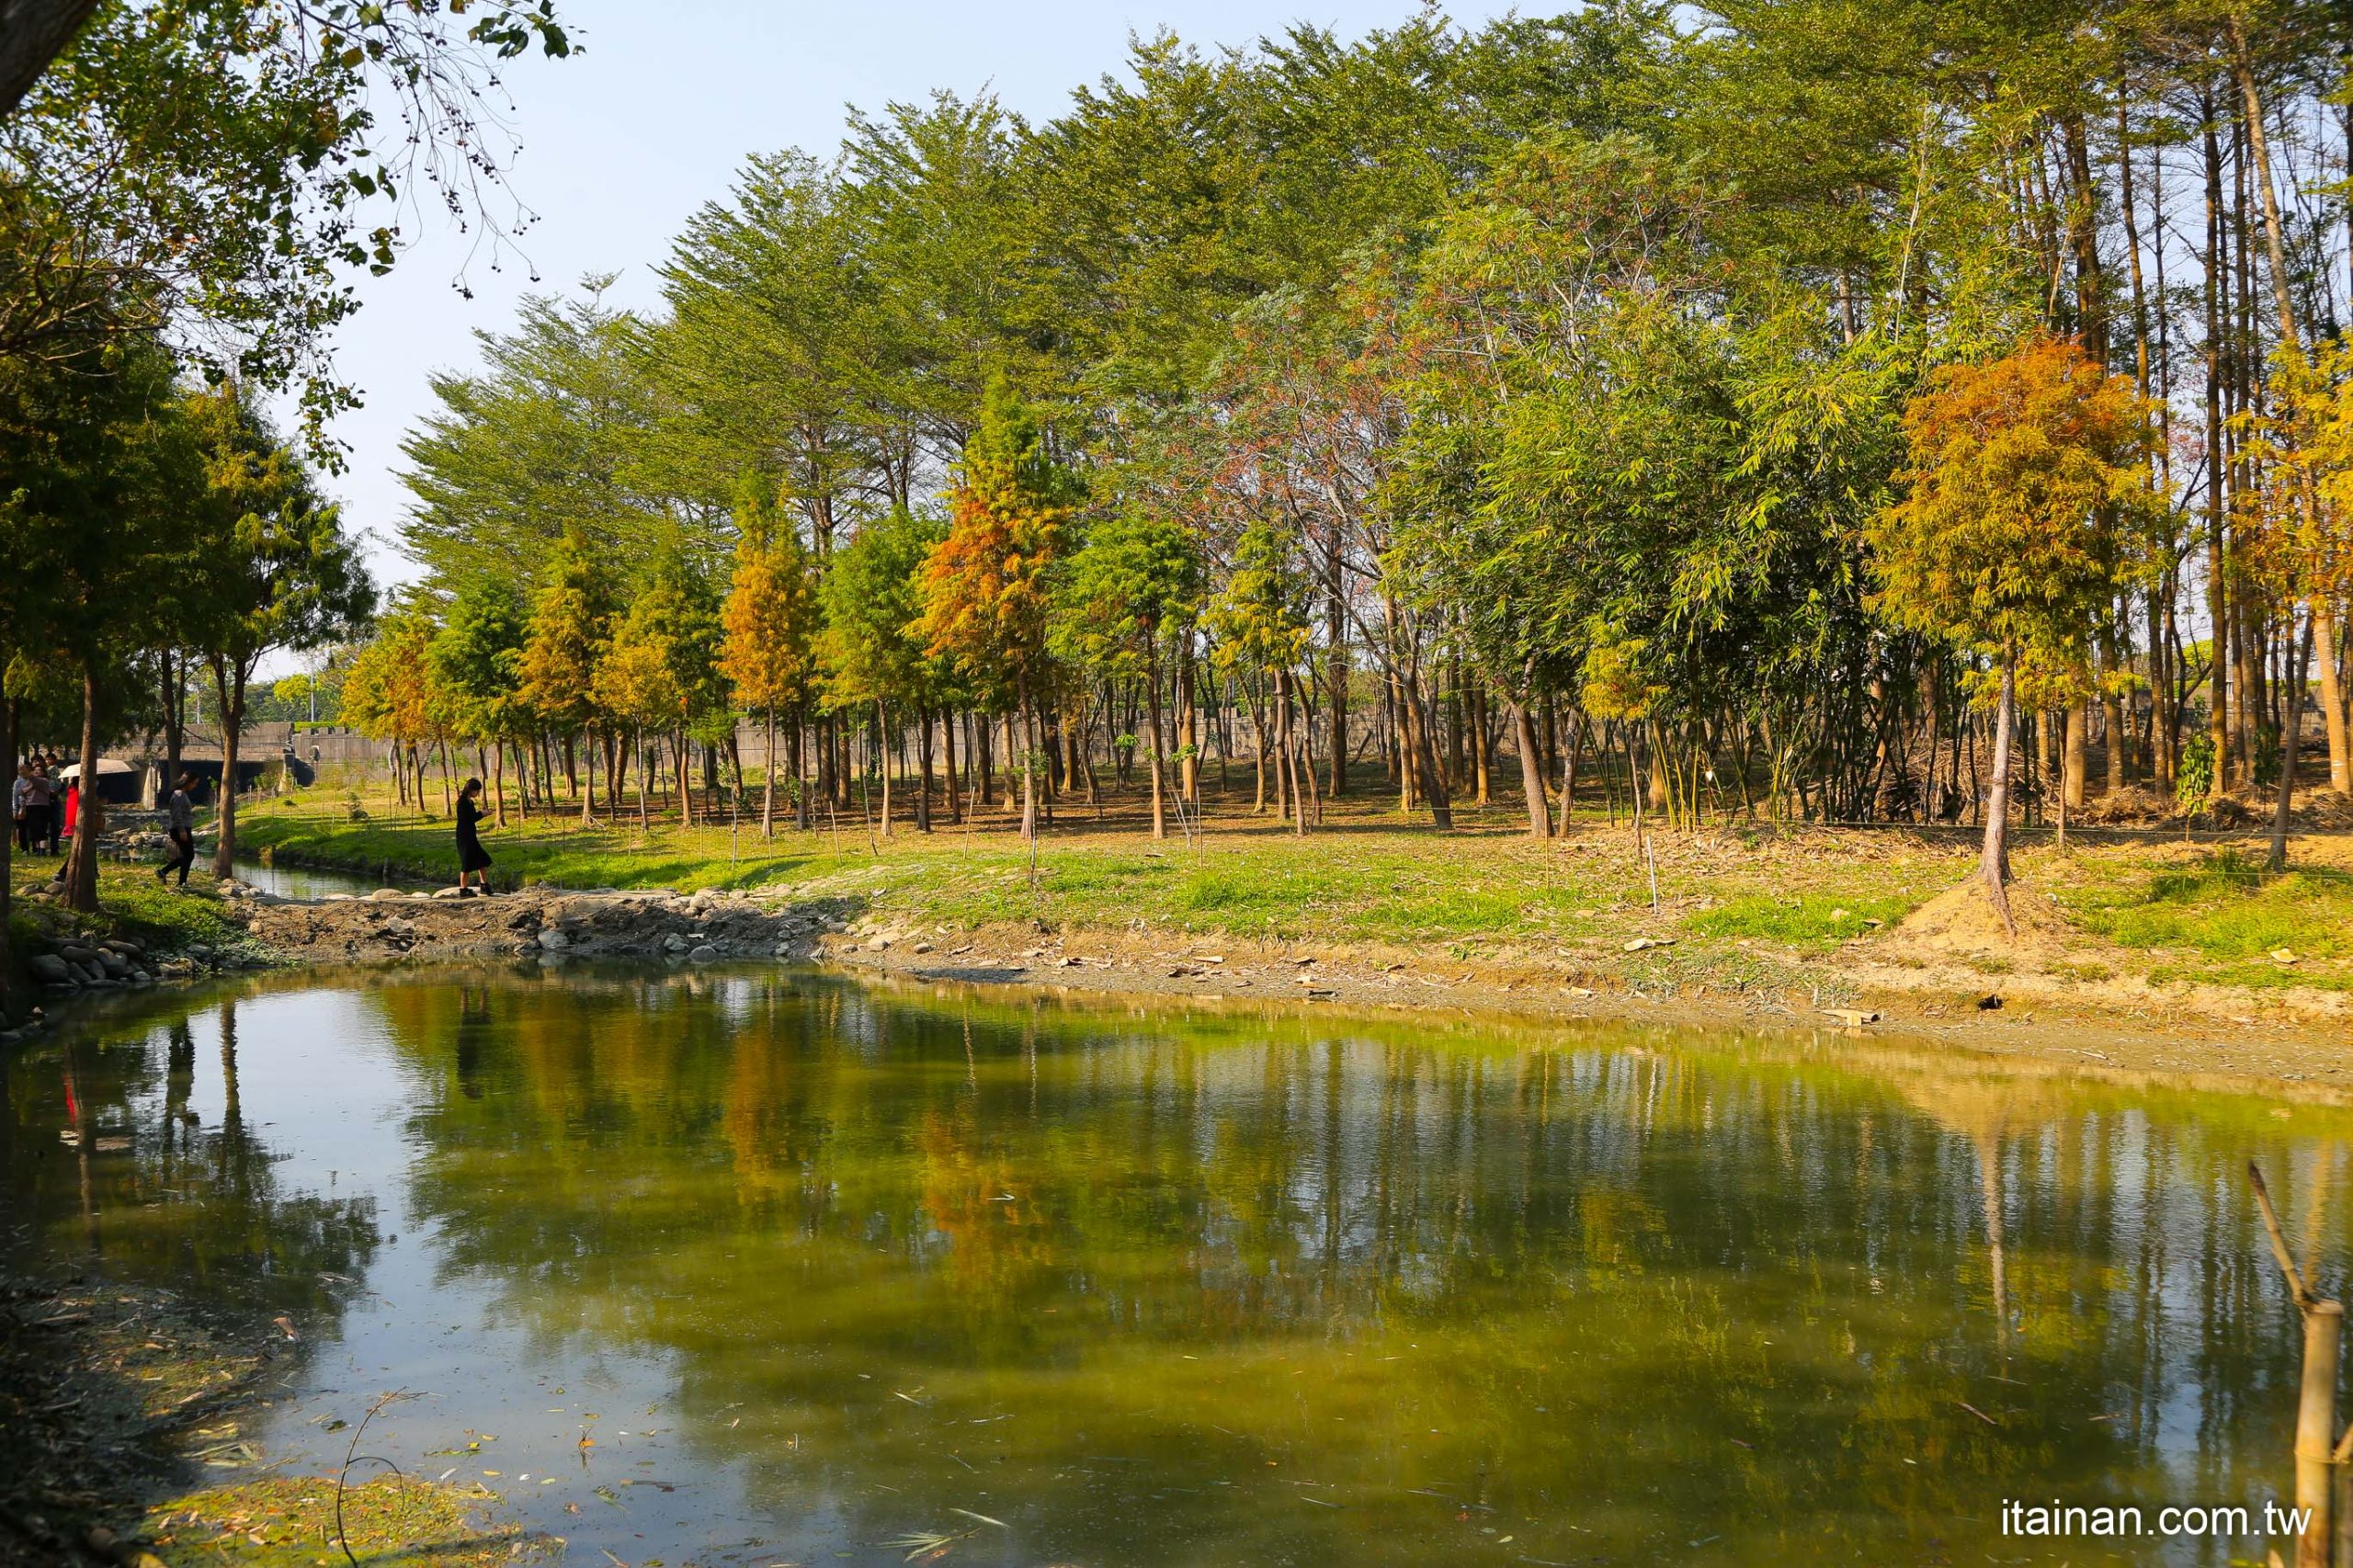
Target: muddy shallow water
(763, 1266)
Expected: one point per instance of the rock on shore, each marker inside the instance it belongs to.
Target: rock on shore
(543, 924)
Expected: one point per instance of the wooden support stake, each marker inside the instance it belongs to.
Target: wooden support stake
(2315, 1426)
(2317, 1460)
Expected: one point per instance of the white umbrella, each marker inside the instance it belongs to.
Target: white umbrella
(107, 766)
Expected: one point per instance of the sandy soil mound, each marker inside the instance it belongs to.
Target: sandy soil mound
(1963, 920)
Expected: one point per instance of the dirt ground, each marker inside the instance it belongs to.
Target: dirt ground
(1931, 998)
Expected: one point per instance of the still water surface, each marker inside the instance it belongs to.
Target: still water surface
(818, 1269)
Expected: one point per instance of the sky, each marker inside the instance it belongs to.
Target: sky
(663, 102)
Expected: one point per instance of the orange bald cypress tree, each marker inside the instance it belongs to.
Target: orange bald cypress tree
(986, 586)
(2014, 531)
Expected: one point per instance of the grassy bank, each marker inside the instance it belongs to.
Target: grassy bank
(132, 903)
(1739, 902)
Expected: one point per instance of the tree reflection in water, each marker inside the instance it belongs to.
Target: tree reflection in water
(1158, 1288)
(1614, 1288)
(153, 1195)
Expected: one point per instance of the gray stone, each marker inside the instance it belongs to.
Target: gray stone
(51, 968)
(387, 893)
(674, 943)
(92, 972)
(115, 964)
(703, 954)
(877, 942)
(554, 941)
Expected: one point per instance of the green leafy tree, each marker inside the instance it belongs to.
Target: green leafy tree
(562, 643)
(476, 663)
(874, 656)
(1258, 621)
(1127, 594)
(211, 170)
(271, 569)
(657, 675)
(99, 474)
(537, 446)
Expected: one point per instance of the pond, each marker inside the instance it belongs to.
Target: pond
(765, 1265)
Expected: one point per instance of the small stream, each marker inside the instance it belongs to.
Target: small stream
(310, 882)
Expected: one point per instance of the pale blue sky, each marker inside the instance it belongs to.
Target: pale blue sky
(624, 140)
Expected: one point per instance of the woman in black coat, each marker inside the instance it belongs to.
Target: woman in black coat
(474, 860)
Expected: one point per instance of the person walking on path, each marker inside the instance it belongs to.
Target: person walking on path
(180, 815)
(20, 818)
(69, 807)
(56, 797)
(474, 860)
(41, 804)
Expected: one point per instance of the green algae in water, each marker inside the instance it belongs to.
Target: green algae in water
(739, 1268)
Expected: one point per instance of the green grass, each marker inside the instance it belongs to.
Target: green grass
(2221, 920)
(1371, 878)
(133, 904)
(1806, 919)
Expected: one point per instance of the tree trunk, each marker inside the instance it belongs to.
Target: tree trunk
(230, 684)
(882, 756)
(1189, 705)
(2217, 598)
(1531, 772)
(175, 695)
(948, 765)
(802, 804)
(923, 757)
(1028, 764)
(1159, 809)
(2324, 628)
(89, 819)
(2071, 783)
(1482, 761)
(2331, 694)
(1993, 860)
(768, 779)
(1287, 750)
(1569, 756)
(11, 712)
(1421, 748)
(2291, 723)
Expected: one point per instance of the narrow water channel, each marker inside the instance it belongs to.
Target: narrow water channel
(306, 881)
(762, 1267)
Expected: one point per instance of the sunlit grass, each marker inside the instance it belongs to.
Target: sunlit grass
(1807, 918)
(2231, 917)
